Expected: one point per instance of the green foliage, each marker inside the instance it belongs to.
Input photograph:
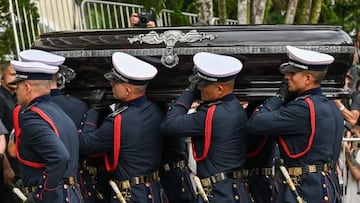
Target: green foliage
(328, 15)
(231, 9)
(177, 18)
(5, 20)
(349, 14)
(274, 13)
(7, 42)
(345, 13)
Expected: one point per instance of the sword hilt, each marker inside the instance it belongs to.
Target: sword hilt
(291, 184)
(117, 191)
(200, 189)
(18, 192)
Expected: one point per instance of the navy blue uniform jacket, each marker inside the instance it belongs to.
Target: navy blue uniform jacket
(40, 144)
(75, 108)
(228, 139)
(141, 141)
(292, 122)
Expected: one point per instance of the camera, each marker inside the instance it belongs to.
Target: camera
(144, 18)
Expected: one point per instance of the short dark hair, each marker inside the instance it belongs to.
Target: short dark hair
(3, 67)
(318, 75)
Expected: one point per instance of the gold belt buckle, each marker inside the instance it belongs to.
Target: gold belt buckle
(206, 182)
(91, 170)
(71, 180)
(125, 184)
(295, 171)
(312, 168)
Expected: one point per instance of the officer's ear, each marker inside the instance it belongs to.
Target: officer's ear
(128, 90)
(220, 88)
(308, 77)
(29, 86)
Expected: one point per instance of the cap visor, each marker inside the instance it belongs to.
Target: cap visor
(194, 78)
(16, 80)
(289, 69)
(110, 76)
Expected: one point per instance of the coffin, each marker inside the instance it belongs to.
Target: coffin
(260, 48)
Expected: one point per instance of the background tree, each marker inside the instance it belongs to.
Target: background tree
(303, 11)
(205, 11)
(177, 18)
(7, 42)
(242, 10)
(291, 11)
(222, 12)
(315, 11)
(258, 11)
(341, 12)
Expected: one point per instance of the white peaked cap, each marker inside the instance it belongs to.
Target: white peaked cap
(301, 59)
(34, 55)
(130, 69)
(215, 67)
(32, 71)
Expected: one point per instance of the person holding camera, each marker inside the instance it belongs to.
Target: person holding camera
(142, 20)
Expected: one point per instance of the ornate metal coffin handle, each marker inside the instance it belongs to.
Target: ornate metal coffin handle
(170, 38)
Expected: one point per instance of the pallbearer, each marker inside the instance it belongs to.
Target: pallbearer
(46, 138)
(308, 126)
(130, 136)
(217, 128)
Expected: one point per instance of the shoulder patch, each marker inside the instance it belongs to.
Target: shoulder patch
(303, 97)
(214, 103)
(29, 107)
(118, 111)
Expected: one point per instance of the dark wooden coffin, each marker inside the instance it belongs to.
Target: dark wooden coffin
(260, 48)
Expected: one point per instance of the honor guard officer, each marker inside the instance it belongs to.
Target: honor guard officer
(130, 136)
(75, 108)
(217, 128)
(46, 138)
(309, 128)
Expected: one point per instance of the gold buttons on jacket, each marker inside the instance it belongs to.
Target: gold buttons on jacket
(237, 197)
